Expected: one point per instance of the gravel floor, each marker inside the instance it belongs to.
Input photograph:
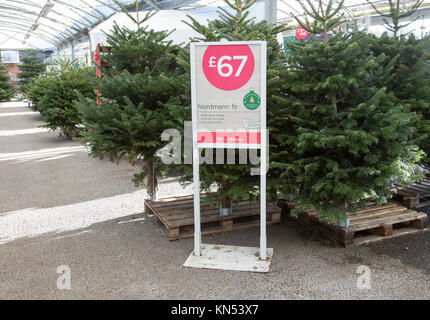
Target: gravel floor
(60, 207)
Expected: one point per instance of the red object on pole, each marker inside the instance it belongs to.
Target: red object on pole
(302, 33)
(100, 63)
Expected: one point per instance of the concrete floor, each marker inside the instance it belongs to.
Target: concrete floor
(60, 207)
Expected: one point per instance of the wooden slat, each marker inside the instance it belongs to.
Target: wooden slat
(160, 204)
(417, 189)
(374, 207)
(419, 184)
(406, 193)
(385, 231)
(173, 210)
(360, 213)
(215, 216)
(175, 215)
(377, 214)
(407, 216)
(368, 208)
(411, 202)
(416, 194)
(396, 233)
(179, 209)
(178, 198)
(206, 216)
(174, 198)
(173, 233)
(423, 204)
(215, 230)
(424, 183)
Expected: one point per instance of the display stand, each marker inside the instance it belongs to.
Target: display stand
(251, 69)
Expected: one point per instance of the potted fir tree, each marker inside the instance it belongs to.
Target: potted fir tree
(131, 116)
(225, 183)
(345, 137)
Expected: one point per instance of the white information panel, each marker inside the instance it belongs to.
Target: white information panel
(228, 81)
(10, 56)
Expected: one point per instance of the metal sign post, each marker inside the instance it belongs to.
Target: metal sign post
(196, 161)
(263, 157)
(228, 91)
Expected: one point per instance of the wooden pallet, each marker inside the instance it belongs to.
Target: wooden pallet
(416, 195)
(177, 215)
(370, 224)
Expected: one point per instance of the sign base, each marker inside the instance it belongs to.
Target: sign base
(233, 258)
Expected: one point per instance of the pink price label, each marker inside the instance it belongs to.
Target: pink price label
(228, 67)
(301, 33)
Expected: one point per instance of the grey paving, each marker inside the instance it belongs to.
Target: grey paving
(43, 184)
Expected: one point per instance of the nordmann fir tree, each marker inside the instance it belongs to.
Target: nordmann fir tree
(410, 75)
(37, 89)
(232, 182)
(345, 138)
(131, 117)
(398, 13)
(6, 88)
(31, 67)
(54, 94)
(409, 80)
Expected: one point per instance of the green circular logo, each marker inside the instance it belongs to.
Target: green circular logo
(251, 101)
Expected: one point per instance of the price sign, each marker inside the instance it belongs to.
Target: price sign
(301, 33)
(228, 67)
(228, 84)
(228, 91)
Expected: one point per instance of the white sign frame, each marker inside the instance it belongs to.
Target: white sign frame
(10, 57)
(262, 146)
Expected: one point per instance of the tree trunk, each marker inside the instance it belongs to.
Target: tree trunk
(226, 202)
(344, 222)
(334, 104)
(152, 183)
(226, 208)
(345, 206)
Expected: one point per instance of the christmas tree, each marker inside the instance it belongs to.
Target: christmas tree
(409, 79)
(31, 67)
(229, 183)
(37, 88)
(410, 76)
(54, 96)
(398, 11)
(135, 87)
(6, 88)
(345, 137)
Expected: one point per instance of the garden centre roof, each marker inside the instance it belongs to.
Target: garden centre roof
(46, 23)
(49, 23)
